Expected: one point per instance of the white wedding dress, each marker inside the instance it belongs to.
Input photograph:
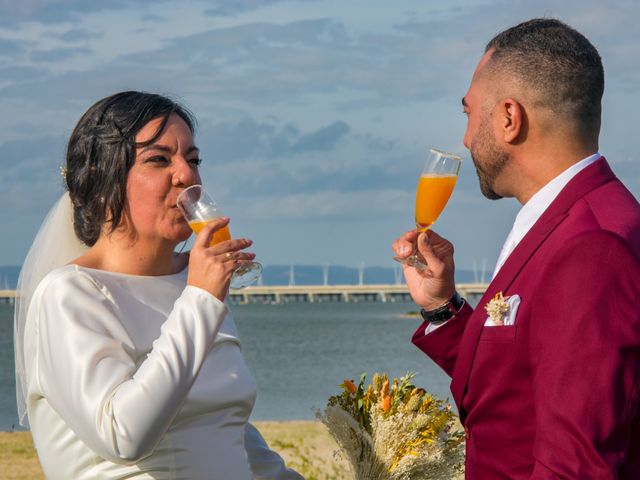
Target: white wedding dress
(140, 378)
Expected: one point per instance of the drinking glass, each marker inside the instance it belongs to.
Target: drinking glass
(199, 208)
(435, 186)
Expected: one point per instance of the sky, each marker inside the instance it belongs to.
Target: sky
(314, 117)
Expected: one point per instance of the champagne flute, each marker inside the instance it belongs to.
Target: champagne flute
(199, 208)
(435, 186)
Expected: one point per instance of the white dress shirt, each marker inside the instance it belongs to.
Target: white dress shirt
(536, 206)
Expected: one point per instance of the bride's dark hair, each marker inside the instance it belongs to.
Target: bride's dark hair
(102, 150)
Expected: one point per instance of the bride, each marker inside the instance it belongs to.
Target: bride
(128, 362)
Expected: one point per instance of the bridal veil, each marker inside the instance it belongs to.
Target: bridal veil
(55, 245)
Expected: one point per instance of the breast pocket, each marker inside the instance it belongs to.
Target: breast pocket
(499, 334)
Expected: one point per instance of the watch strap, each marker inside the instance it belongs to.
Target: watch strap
(444, 312)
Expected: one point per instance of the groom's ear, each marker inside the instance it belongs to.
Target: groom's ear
(512, 120)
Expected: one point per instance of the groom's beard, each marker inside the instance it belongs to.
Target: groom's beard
(488, 159)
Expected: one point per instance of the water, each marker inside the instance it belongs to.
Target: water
(8, 410)
(298, 354)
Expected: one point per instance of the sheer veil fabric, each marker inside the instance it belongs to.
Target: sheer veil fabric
(54, 245)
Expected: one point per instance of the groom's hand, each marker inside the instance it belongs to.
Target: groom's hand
(435, 285)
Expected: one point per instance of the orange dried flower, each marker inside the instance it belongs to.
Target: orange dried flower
(385, 388)
(386, 404)
(350, 386)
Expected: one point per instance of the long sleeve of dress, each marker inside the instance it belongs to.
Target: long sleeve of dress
(119, 405)
(265, 463)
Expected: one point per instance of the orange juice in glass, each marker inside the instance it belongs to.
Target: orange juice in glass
(219, 236)
(198, 209)
(432, 195)
(435, 186)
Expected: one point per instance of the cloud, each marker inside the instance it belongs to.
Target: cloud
(79, 35)
(20, 74)
(152, 18)
(299, 62)
(12, 12)
(311, 63)
(28, 169)
(248, 138)
(290, 62)
(610, 27)
(364, 179)
(323, 140)
(266, 63)
(327, 203)
(58, 54)
(11, 49)
(230, 9)
(272, 158)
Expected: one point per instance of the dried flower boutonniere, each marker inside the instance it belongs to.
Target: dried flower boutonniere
(497, 307)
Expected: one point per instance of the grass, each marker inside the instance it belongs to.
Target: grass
(18, 459)
(306, 446)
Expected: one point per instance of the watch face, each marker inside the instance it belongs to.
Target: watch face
(446, 314)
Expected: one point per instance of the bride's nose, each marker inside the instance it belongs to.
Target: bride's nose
(184, 175)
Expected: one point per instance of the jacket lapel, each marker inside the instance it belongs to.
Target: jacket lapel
(588, 179)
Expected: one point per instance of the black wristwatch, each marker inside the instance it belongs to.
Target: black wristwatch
(445, 312)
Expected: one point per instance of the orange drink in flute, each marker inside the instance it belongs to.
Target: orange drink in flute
(432, 195)
(198, 209)
(435, 186)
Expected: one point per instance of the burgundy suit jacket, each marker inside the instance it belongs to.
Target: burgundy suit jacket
(556, 395)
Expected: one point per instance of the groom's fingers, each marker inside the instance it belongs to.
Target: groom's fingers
(426, 250)
(404, 246)
(437, 252)
(441, 247)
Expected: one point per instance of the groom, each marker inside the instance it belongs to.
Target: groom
(547, 383)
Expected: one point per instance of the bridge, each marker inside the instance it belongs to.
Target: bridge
(7, 297)
(319, 293)
(338, 293)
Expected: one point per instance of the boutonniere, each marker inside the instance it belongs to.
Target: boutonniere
(496, 308)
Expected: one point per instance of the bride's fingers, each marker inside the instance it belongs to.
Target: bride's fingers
(203, 239)
(229, 246)
(238, 256)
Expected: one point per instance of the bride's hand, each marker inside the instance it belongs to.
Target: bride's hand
(435, 285)
(211, 267)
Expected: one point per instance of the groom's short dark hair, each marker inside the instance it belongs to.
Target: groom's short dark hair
(559, 64)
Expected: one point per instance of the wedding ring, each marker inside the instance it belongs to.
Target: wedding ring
(229, 255)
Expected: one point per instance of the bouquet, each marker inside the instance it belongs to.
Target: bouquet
(392, 430)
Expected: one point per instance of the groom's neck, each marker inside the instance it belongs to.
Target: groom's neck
(535, 164)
